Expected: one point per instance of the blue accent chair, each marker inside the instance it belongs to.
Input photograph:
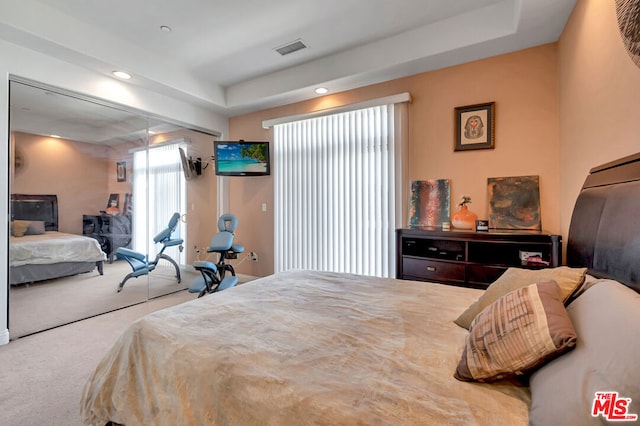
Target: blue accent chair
(222, 243)
(140, 262)
(210, 282)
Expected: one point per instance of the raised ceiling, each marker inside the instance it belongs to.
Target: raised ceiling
(221, 54)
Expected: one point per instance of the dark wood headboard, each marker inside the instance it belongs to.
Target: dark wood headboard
(604, 234)
(36, 207)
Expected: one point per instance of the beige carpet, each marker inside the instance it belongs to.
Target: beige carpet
(46, 304)
(42, 375)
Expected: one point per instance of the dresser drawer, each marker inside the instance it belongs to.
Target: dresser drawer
(432, 270)
(484, 274)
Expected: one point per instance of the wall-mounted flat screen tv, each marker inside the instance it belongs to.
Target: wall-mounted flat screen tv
(241, 158)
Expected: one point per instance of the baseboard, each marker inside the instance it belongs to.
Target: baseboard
(243, 278)
(4, 337)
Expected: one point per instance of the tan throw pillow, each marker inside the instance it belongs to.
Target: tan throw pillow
(569, 280)
(19, 227)
(517, 333)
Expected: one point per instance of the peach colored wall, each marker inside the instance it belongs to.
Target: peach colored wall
(77, 172)
(524, 87)
(599, 97)
(120, 153)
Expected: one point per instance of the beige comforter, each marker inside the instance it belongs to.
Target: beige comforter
(53, 247)
(300, 348)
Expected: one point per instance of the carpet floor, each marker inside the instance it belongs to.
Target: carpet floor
(51, 303)
(42, 375)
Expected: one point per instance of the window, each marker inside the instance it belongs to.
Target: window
(337, 194)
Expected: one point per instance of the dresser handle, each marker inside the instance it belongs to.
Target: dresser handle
(431, 268)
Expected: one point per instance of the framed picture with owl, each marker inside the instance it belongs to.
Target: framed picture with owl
(474, 126)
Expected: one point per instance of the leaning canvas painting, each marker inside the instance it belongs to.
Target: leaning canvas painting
(429, 202)
(514, 202)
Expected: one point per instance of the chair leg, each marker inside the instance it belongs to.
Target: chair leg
(211, 281)
(208, 287)
(230, 268)
(173, 262)
(202, 292)
(223, 267)
(121, 285)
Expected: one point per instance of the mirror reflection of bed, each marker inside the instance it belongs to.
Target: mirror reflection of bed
(73, 270)
(38, 251)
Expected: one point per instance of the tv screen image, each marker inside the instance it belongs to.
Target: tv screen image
(241, 158)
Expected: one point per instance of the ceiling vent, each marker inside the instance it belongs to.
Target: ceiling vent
(294, 46)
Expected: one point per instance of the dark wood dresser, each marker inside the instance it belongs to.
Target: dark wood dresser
(471, 259)
(110, 231)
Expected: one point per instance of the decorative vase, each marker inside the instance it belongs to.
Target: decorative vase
(464, 219)
(113, 209)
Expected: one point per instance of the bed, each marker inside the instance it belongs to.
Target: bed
(38, 251)
(309, 347)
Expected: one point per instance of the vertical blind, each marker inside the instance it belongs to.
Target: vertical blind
(335, 192)
(157, 198)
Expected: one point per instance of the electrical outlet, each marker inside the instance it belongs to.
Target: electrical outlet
(254, 256)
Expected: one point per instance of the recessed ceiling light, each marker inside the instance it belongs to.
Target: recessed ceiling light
(322, 90)
(55, 136)
(165, 28)
(121, 74)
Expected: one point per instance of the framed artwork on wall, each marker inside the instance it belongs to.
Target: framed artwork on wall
(121, 171)
(474, 126)
(514, 202)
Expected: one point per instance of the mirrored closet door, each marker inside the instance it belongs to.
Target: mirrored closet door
(91, 185)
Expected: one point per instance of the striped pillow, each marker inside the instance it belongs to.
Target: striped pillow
(517, 333)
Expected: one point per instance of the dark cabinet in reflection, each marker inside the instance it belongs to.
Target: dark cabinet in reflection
(111, 231)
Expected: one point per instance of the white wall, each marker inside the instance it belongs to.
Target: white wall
(25, 63)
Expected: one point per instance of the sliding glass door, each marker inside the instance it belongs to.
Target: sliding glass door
(159, 193)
